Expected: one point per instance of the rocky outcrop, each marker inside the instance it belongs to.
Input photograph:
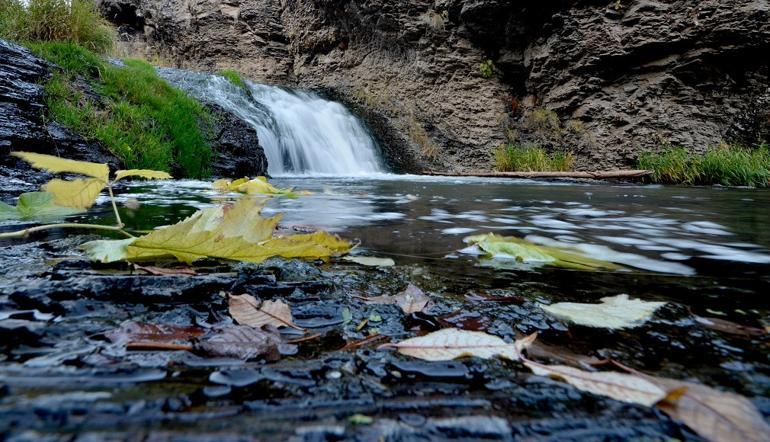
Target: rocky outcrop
(447, 81)
(23, 126)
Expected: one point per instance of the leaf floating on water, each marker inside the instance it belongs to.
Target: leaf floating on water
(614, 312)
(243, 342)
(370, 261)
(247, 311)
(525, 252)
(56, 164)
(713, 414)
(142, 173)
(37, 206)
(78, 193)
(257, 186)
(236, 232)
(452, 343)
(619, 386)
(411, 300)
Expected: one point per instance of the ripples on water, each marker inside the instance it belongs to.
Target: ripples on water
(661, 229)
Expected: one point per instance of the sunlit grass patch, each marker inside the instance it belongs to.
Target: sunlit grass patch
(531, 158)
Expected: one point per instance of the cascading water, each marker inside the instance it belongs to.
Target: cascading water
(301, 132)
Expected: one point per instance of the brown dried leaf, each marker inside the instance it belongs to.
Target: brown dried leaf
(243, 342)
(539, 351)
(619, 386)
(713, 414)
(137, 332)
(160, 271)
(725, 326)
(411, 300)
(247, 311)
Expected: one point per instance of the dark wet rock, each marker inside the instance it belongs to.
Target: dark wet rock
(236, 378)
(235, 143)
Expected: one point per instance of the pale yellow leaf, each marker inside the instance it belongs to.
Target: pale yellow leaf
(619, 386)
(452, 343)
(370, 261)
(78, 193)
(246, 310)
(614, 312)
(60, 165)
(411, 300)
(142, 173)
(713, 414)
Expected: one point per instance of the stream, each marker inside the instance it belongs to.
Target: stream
(703, 251)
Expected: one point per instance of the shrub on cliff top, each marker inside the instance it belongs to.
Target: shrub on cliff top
(724, 164)
(233, 77)
(137, 115)
(75, 21)
(531, 158)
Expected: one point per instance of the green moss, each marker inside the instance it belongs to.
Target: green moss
(233, 77)
(139, 117)
(725, 165)
(531, 158)
(487, 68)
(75, 21)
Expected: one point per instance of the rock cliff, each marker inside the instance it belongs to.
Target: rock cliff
(444, 82)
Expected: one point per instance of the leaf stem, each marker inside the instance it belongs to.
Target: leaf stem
(114, 206)
(26, 232)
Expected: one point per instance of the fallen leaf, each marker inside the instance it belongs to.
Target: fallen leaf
(56, 164)
(525, 252)
(247, 311)
(482, 297)
(465, 320)
(452, 343)
(161, 271)
(235, 232)
(37, 206)
(257, 186)
(411, 300)
(370, 261)
(619, 386)
(713, 414)
(543, 351)
(130, 331)
(614, 312)
(142, 173)
(79, 193)
(243, 342)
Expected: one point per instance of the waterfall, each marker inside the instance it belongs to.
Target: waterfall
(302, 133)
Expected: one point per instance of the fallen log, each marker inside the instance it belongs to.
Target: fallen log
(608, 174)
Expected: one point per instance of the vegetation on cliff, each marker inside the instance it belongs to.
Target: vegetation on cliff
(530, 158)
(726, 165)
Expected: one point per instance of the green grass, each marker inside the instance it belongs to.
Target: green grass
(530, 158)
(725, 165)
(75, 21)
(233, 77)
(139, 117)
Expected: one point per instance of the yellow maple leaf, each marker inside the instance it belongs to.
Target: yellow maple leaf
(56, 164)
(142, 173)
(78, 193)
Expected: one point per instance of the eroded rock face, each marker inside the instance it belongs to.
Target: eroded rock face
(237, 152)
(620, 76)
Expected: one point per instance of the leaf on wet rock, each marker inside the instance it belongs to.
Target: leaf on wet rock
(246, 310)
(243, 342)
(78, 193)
(137, 332)
(614, 312)
(525, 252)
(619, 386)
(236, 232)
(162, 271)
(56, 164)
(713, 414)
(142, 173)
(725, 326)
(370, 261)
(452, 343)
(411, 300)
(35, 206)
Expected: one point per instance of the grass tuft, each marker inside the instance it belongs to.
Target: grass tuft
(726, 165)
(233, 77)
(531, 158)
(75, 21)
(138, 116)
